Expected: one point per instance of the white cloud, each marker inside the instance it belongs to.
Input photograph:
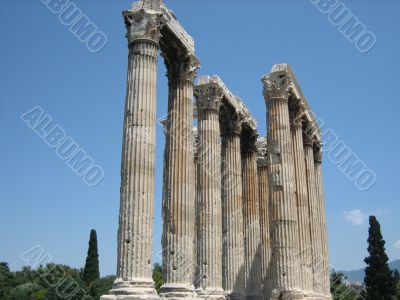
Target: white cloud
(396, 246)
(356, 217)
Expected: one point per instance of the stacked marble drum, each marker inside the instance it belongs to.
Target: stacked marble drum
(243, 217)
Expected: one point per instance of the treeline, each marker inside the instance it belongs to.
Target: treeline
(56, 282)
(50, 282)
(61, 282)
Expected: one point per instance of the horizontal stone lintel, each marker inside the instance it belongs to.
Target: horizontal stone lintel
(233, 100)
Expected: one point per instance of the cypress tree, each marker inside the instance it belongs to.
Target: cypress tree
(91, 271)
(396, 277)
(378, 276)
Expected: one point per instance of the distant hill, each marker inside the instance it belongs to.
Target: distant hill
(358, 275)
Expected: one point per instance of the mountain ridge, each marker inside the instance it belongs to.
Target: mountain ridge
(358, 275)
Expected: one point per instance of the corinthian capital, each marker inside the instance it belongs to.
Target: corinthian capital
(296, 113)
(277, 86)
(248, 141)
(308, 138)
(142, 25)
(152, 4)
(181, 65)
(231, 121)
(208, 97)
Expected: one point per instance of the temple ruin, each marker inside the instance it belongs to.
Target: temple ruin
(243, 216)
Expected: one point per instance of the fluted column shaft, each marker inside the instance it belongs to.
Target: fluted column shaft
(323, 228)
(179, 207)
(284, 227)
(210, 208)
(304, 235)
(263, 192)
(196, 200)
(138, 164)
(179, 180)
(314, 215)
(135, 233)
(295, 213)
(232, 215)
(251, 218)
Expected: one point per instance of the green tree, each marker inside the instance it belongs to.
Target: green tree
(25, 291)
(51, 294)
(62, 282)
(6, 278)
(157, 276)
(91, 271)
(396, 279)
(101, 286)
(378, 277)
(39, 294)
(339, 290)
(336, 283)
(24, 276)
(396, 276)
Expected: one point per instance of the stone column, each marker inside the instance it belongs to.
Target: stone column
(283, 212)
(209, 231)
(232, 208)
(196, 201)
(251, 215)
(324, 236)
(263, 192)
(304, 235)
(314, 211)
(179, 181)
(134, 268)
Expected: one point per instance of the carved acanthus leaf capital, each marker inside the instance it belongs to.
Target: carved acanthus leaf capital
(208, 97)
(249, 141)
(181, 66)
(296, 113)
(308, 138)
(153, 4)
(277, 87)
(231, 122)
(142, 25)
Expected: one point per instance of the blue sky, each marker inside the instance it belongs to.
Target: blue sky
(42, 64)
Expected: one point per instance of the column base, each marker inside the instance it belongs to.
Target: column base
(314, 296)
(287, 295)
(136, 289)
(211, 293)
(235, 296)
(177, 291)
(310, 296)
(254, 297)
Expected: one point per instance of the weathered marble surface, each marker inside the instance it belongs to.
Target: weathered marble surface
(242, 218)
